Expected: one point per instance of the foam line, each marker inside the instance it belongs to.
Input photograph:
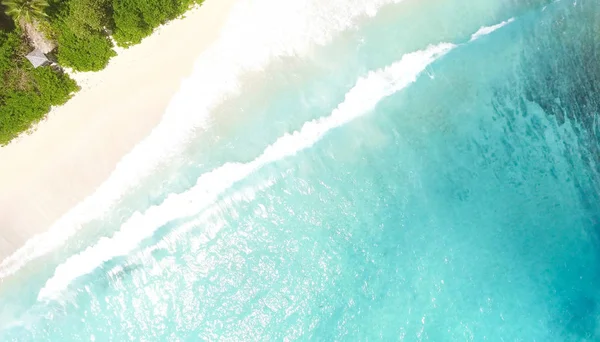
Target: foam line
(485, 30)
(361, 99)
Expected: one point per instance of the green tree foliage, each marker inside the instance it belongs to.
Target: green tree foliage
(90, 52)
(26, 94)
(25, 10)
(89, 16)
(29, 14)
(82, 41)
(9, 44)
(136, 19)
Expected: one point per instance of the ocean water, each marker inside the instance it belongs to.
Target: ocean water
(417, 170)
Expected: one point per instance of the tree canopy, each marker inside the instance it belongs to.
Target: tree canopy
(26, 94)
(26, 10)
(88, 17)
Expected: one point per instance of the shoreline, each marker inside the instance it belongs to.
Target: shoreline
(77, 146)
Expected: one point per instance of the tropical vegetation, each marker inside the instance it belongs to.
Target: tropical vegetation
(75, 34)
(26, 10)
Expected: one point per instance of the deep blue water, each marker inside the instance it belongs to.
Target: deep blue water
(461, 206)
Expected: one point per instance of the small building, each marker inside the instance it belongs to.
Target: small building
(37, 58)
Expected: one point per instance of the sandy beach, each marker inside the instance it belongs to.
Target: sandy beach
(44, 174)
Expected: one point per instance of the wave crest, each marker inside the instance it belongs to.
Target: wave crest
(361, 99)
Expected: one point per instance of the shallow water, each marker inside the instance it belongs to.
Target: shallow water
(394, 178)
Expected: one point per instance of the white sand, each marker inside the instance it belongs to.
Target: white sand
(70, 154)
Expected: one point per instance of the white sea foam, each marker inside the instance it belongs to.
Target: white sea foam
(256, 32)
(485, 30)
(362, 98)
(212, 219)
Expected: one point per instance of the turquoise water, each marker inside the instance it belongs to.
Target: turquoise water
(400, 181)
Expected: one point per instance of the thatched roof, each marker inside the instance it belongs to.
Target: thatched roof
(37, 58)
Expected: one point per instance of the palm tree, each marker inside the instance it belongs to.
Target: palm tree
(26, 10)
(28, 14)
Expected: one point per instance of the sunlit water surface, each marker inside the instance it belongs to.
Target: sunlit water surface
(406, 175)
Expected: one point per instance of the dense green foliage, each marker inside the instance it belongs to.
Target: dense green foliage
(83, 53)
(135, 19)
(78, 28)
(81, 30)
(26, 94)
(89, 16)
(25, 10)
